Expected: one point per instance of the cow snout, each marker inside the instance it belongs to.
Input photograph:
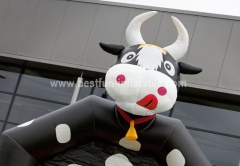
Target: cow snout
(134, 87)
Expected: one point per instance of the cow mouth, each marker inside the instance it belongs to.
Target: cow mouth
(150, 102)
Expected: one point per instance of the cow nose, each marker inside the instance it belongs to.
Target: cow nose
(162, 90)
(121, 79)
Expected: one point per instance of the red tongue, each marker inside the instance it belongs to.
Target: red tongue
(150, 102)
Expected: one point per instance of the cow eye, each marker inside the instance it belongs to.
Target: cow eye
(128, 57)
(169, 68)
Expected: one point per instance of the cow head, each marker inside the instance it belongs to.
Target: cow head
(142, 80)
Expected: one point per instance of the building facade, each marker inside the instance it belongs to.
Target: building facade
(45, 45)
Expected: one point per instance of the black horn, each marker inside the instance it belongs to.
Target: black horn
(112, 48)
(188, 69)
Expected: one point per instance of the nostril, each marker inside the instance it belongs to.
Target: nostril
(162, 91)
(121, 78)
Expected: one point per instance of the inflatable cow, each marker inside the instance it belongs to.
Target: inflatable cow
(128, 132)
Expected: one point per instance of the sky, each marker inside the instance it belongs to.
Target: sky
(223, 7)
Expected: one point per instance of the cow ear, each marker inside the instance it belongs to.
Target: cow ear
(188, 69)
(112, 48)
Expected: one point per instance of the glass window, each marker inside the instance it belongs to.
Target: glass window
(46, 85)
(166, 113)
(5, 100)
(220, 150)
(10, 74)
(1, 125)
(109, 97)
(9, 126)
(98, 91)
(210, 118)
(84, 92)
(25, 109)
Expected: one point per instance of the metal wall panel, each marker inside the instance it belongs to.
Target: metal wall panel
(108, 27)
(149, 28)
(44, 29)
(16, 25)
(208, 48)
(229, 77)
(74, 32)
(3, 10)
(168, 33)
(67, 33)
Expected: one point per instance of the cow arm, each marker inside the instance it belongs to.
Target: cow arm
(181, 150)
(48, 135)
(12, 154)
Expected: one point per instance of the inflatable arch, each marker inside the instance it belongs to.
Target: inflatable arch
(127, 132)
